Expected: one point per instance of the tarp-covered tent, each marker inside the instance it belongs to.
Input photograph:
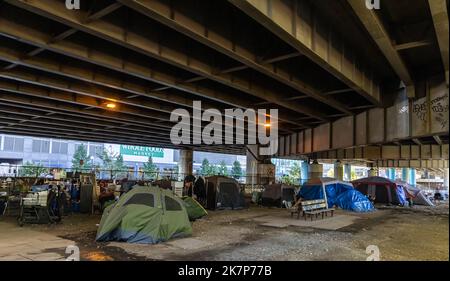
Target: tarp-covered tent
(417, 195)
(146, 214)
(336, 193)
(223, 193)
(193, 208)
(275, 194)
(384, 190)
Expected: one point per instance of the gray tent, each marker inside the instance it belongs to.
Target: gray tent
(414, 192)
(223, 193)
(275, 194)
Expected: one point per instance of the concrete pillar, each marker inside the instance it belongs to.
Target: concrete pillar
(347, 172)
(338, 170)
(315, 170)
(412, 176)
(259, 168)
(405, 174)
(185, 163)
(391, 173)
(251, 170)
(446, 172)
(304, 174)
(373, 172)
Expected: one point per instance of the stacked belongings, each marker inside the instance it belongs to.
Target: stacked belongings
(416, 194)
(193, 208)
(223, 193)
(145, 214)
(275, 194)
(336, 193)
(382, 190)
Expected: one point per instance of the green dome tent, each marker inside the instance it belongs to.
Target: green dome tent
(147, 215)
(194, 209)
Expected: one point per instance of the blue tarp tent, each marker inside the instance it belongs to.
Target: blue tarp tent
(337, 193)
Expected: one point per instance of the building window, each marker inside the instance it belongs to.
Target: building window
(59, 147)
(95, 150)
(41, 146)
(13, 144)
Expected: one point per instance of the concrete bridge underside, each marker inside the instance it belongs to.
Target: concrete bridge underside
(349, 82)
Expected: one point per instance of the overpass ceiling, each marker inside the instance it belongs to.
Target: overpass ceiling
(59, 67)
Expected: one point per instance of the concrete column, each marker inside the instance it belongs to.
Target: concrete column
(446, 173)
(185, 163)
(304, 174)
(405, 174)
(338, 170)
(412, 176)
(347, 172)
(391, 173)
(259, 169)
(251, 170)
(315, 170)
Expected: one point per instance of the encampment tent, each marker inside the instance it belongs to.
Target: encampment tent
(146, 214)
(414, 192)
(336, 193)
(193, 208)
(382, 189)
(275, 194)
(223, 193)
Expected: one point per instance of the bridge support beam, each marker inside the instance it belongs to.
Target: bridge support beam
(185, 164)
(338, 170)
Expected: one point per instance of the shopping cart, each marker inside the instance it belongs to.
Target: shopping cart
(34, 208)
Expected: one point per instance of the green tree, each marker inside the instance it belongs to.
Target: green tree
(213, 170)
(79, 156)
(295, 171)
(222, 169)
(150, 169)
(205, 168)
(236, 170)
(119, 166)
(107, 160)
(32, 170)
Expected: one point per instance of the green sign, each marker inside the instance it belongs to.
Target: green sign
(141, 151)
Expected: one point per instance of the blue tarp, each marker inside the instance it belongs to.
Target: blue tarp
(355, 201)
(340, 194)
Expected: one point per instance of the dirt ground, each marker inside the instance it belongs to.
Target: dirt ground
(419, 233)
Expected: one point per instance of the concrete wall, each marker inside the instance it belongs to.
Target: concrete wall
(405, 119)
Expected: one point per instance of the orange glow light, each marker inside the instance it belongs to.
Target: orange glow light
(267, 125)
(111, 105)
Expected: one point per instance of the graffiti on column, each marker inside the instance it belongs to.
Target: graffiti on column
(439, 108)
(420, 110)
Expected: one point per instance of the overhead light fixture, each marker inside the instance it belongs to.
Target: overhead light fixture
(110, 105)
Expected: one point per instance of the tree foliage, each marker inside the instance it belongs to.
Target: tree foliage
(32, 170)
(150, 169)
(222, 169)
(80, 160)
(236, 170)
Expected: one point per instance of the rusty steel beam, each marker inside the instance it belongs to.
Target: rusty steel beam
(74, 123)
(296, 23)
(56, 10)
(438, 9)
(411, 45)
(380, 35)
(97, 15)
(66, 99)
(165, 13)
(11, 29)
